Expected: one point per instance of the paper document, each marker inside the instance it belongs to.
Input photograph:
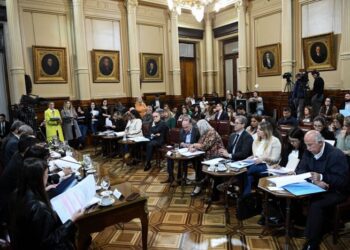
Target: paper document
(119, 134)
(241, 164)
(213, 161)
(185, 152)
(75, 198)
(303, 188)
(344, 112)
(332, 142)
(138, 139)
(66, 162)
(108, 123)
(291, 166)
(285, 180)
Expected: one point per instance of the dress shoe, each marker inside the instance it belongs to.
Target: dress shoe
(147, 166)
(197, 190)
(311, 246)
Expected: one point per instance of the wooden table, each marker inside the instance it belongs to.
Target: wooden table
(181, 159)
(121, 211)
(264, 184)
(130, 143)
(225, 174)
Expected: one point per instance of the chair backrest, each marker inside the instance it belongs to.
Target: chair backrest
(223, 127)
(145, 128)
(214, 124)
(174, 136)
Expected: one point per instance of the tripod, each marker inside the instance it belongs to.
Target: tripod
(289, 86)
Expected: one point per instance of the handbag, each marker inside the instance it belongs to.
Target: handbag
(248, 206)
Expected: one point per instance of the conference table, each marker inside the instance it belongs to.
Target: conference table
(122, 211)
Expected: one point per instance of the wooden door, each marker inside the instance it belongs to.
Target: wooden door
(188, 77)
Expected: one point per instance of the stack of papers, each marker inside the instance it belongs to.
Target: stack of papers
(138, 139)
(213, 161)
(291, 166)
(241, 164)
(185, 152)
(78, 197)
(296, 184)
(66, 162)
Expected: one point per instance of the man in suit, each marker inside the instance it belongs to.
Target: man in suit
(158, 132)
(240, 142)
(287, 119)
(189, 134)
(329, 170)
(4, 127)
(156, 103)
(12, 136)
(220, 115)
(268, 60)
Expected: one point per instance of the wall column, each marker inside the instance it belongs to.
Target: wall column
(209, 61)
(81, 70)
(242, 46)
(175, 54)
(16, 62)
(345, 47)
(134, 64)
(287, 39)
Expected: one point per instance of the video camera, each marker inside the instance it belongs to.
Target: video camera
(287, 76)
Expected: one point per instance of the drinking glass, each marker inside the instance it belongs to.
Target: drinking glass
(105, 183)
(87, 161)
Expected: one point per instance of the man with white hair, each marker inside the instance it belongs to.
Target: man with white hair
(329, 170)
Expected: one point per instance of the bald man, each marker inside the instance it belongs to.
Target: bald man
(329, 170)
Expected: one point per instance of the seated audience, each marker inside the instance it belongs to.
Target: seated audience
(239, 95)
(346, 103)
(34, 224)
(158, 133)
(134, 125)
(320, 125)
(210, 142)
(276, 133)
(258, 101)
(287, 119)
(70, 126)
(231, 114)
(295, 147)
(337, 124)
(254, 122)
(189, 134)
(196, 114)
(185, 112)
(343, 138)
(4, 127)
(53, 123)
(220, 114)
(328, 109)
(203, 103)
(147, 118)
(118, 123)
(266, 150)
(209, 113)
(308, 115)
(93, 118)
(241, 111)
(329, 170)
(229, 101)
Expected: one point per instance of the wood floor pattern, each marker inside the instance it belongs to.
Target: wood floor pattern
(177, 222)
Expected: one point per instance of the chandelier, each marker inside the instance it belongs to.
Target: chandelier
(196, 6)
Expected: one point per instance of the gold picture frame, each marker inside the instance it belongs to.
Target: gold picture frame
(105, 66)
(269, 60)
(151, 67)
(50, 64)
(318, 52)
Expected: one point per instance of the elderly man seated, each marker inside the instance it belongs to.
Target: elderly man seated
(329, 170)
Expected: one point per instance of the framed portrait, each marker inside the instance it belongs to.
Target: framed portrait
(318, 52)
(269, 60)
(50, 64)
(151, 67)
(105, 65)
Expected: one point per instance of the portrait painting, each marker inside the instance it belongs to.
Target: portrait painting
(151, 67)
(105, 65)
(50, 64)
(269, 60)
(318, 52)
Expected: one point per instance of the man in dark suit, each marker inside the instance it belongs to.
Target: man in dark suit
(268, 60)
(189, 134)
(240, 142)
(13, 137)
(329, 170)
(4, 127)
(158, 132)
(287, 119)
(156, 103)
(220, 115)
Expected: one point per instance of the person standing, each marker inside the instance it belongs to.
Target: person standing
(53, 123)
(317, 92)
(298, 95)
(70, 125)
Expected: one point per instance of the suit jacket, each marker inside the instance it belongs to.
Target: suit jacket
(194, 135)
(10, 148)
(7, 129)
(153, 104)
(332, 165)
(161, 128)
(223, 116)
(243, 146)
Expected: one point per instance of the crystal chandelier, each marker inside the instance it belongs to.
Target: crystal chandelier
(196, 6)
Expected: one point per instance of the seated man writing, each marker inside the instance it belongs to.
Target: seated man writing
(329, 170)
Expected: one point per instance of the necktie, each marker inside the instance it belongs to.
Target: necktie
(2, 132)
(234, 143)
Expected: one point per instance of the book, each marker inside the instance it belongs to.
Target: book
(241, 164)
(303, 188)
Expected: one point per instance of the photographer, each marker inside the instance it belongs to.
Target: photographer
(298, 95)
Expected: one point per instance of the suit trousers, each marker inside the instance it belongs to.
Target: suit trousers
(149, 149)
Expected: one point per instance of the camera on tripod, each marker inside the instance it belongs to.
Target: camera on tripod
(287, 76)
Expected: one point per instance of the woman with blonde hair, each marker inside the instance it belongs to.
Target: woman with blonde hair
(266, 150)
(140, 106)
(70, 125)
(210, 142)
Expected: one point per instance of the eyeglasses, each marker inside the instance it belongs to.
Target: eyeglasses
(318, 125)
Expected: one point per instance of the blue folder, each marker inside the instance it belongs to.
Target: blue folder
(303, 188)
(344, 112)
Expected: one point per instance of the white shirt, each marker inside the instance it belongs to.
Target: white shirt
(293, 155)
(319, 155)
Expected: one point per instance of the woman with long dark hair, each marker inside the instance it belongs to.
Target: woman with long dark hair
(34, 224)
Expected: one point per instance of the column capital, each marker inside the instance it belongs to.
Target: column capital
(240, 4)
(131, 3)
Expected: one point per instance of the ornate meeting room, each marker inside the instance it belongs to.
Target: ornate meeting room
(175, 124)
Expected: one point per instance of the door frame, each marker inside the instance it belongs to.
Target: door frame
(233, 56)
(194, 59)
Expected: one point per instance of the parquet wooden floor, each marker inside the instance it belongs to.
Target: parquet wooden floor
(181, 222)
